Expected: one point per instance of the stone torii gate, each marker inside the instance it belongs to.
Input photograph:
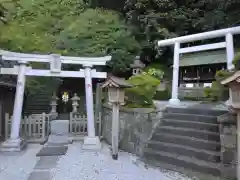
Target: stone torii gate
(14, 143)
(228, 44)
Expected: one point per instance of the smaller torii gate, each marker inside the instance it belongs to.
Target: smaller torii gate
(227, 44)
(14, 143)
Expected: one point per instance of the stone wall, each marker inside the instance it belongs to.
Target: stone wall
(195, 92)
(228, 138)
(136, 127)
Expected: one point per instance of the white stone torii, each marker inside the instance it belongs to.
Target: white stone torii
(14, 143)
(228, 44)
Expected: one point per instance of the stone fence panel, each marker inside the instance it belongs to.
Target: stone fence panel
(136, 127)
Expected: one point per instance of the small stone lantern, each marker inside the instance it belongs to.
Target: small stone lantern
(75, 104)
(116, 94)
(234, 86)
(137, 66)
(53, 105)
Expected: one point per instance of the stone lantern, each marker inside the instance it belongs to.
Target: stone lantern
(116, 93)
(53, 105)
(137, 66)
(233, 83)
(75, 104)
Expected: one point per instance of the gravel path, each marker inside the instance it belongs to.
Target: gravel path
(18, 166)
(82, 165)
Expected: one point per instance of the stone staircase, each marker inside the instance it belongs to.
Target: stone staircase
(187, 138)
(38, 103)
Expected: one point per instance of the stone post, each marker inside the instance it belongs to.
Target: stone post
(115, 130)
(15, 143)
(91, 141)
(228, 139)
(53, 105)
(75, 104)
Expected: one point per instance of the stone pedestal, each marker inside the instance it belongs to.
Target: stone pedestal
(13, 145)
(174, 102)
(59, 133)
(91, 143)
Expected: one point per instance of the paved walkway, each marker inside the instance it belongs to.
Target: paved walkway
(79, 165)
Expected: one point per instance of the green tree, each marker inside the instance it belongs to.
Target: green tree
(98, 32)
(160, 19)
(69, 28)
(143, 90)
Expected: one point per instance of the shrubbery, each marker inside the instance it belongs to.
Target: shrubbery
(217, 92)
(141, 95)
(236, 61)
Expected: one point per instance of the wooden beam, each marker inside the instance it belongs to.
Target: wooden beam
(203, 47)
(48, 73)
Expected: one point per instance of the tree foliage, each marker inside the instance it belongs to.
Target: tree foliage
(69, 28)
(98, 32)
(160, 19)
(143, 90)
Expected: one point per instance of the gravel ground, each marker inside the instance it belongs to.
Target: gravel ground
(82, 165)
(18, 166)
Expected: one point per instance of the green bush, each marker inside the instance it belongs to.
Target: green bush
(162, 95)
(236, 61)
(216, 93)
(144, 89)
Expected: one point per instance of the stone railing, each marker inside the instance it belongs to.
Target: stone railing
(136, 127)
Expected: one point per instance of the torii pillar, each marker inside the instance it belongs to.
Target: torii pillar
(91, 141)
(15, 143)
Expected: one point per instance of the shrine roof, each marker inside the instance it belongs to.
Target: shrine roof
(202, 58)
(116, 82)
(232, 78)
(137, 63)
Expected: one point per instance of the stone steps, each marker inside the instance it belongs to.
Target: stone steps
(37, 104)
(185, 141)
(184, 161)
(190, 124)
(201, 154)
(191, 117)
(195, 133)
(187, 138)
(195, 111)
